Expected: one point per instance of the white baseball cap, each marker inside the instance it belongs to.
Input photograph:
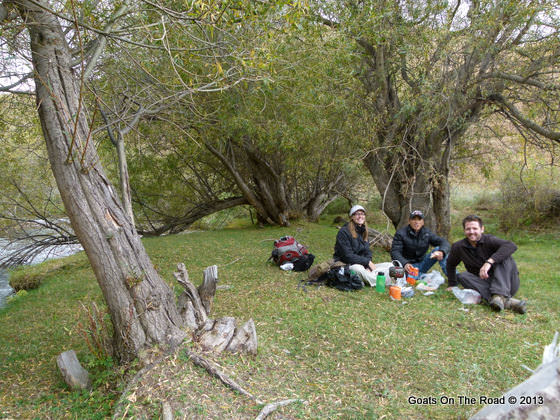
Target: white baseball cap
(355, 208)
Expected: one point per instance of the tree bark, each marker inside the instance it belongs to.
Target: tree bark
(407, 182)
(141, 305)
(124, 180)
(263, 195)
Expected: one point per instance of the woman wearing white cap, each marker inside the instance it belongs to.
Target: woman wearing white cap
(352, 246)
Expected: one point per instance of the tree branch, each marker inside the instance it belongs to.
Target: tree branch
(16, 84)
(522, 80)
(102, 39)
(526, 122)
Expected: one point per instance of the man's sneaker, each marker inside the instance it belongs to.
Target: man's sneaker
(497, 303)
(516, 305)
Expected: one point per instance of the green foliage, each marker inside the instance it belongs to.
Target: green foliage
(26, 182)
(20, 294)
(338, 206)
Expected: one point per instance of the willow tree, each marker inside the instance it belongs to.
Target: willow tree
(64, 46)
(142, 306)
(289, 142)
(430, 70)
(278, 137)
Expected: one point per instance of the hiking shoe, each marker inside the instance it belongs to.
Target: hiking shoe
(497, 303)
(516, 305)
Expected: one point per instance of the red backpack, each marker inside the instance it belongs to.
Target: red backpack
(287, 249)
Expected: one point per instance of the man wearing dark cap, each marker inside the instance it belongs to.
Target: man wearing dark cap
(491, 269)
(411, 244)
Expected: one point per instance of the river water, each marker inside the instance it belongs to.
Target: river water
(5, 289)
(53, 252)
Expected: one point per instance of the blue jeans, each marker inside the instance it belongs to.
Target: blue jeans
(427, 263)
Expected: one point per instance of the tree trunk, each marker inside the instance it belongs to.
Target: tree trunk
(141, 305)
(405, 185)
(124, 180)
(266, 193)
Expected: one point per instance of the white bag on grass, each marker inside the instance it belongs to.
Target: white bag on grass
(384, 268)
(433, 279)
(467, 296)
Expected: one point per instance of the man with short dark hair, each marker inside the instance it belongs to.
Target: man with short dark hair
(411, 244)
(491, 269)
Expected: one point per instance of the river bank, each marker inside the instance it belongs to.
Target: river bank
(49, 253)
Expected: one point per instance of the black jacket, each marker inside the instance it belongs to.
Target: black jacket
(411, 247)
(473, 258)
(351, 250)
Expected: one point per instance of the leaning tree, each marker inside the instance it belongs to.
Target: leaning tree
(142, 306)
(430, 70)
(63, 47)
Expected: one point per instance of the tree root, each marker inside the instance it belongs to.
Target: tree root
(202, 362)
(269, 408)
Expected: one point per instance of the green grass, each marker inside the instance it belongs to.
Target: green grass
(349, 355)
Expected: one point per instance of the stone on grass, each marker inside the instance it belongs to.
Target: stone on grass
(74, 374)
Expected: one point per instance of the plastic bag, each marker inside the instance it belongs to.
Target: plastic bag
(407, 292)
(467, 296)
(383, 267)
(433, 279)
(287, 266)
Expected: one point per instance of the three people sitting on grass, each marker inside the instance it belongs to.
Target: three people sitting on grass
(491, 270)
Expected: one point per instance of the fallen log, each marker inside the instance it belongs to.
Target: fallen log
(380, 239)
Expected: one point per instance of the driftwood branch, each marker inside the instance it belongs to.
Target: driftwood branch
(269, 408)
(208, 287)
(381, 239)
(212, 335)
(214, 371)
(182, 277)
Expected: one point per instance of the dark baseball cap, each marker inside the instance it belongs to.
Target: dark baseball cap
(416, 213)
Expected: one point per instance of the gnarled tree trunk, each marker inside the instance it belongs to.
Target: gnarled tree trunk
(413, 180)
(141, 305)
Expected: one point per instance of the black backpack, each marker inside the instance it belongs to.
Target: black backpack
(342, 278)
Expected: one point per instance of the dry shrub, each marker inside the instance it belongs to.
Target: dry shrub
(96, 331)
(528, 201)
(25, 281)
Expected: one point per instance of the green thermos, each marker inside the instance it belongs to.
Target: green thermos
(380, 282)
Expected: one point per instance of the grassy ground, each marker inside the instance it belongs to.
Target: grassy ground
(348, 355)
